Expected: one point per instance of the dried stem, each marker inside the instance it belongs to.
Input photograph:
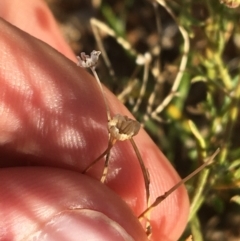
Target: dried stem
(110, 145)
(182, 66)
(144, 83)
(166, 194)
(144, 170)
(105, 169)
(101, 88)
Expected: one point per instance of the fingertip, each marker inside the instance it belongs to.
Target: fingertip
(82, 224)
(55, 107)
(39, 201)
(35, 18)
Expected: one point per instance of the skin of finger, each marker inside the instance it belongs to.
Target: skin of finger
(35, 18)
(121, 176)
(40, 194)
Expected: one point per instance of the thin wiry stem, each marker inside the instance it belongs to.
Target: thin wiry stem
(202, 179)
(144, 170)
(123, 42)
(171, 190)
(144, 83)
(97, 24)
(101, 88)
(182, 66)
(146, 178)
(99, 158)
(156, 70)
(127, 90)
(105, 169)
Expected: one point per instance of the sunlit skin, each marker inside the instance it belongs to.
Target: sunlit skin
(53, 124)
(231, 3)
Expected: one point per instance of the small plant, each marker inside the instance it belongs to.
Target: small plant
(122, 128)
(182, 85)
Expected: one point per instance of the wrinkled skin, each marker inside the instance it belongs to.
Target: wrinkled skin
(53, 124)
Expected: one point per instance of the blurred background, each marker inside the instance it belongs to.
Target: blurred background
(175, 65)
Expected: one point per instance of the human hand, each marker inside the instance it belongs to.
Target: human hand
(53, 124)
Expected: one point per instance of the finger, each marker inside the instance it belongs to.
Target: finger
(54, 204)
(51, 110)
(35, 18)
